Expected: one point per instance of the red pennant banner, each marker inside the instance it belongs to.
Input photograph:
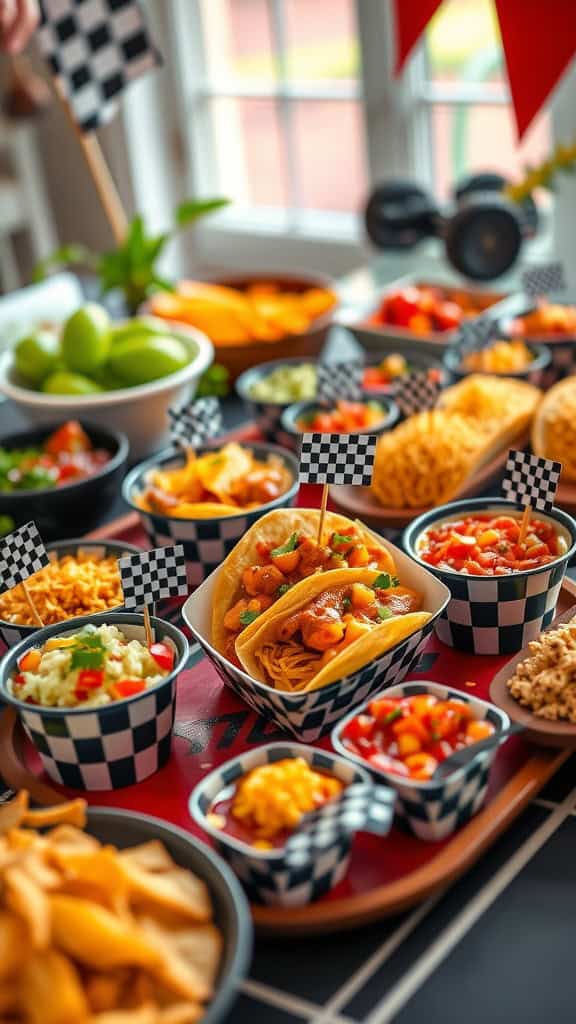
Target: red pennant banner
(538, 39)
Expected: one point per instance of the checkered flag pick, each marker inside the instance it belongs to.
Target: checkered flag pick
(95, 48)
(337, 459)
(340, 381)
(544, 278)
(152, 576)
(362, 807)
(196, 422)
(530, 480)
(417, 392)
(475, 334)
(22, 553)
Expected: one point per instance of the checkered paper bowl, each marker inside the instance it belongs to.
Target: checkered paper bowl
(108, 747)
(206, 542)
(434, 810)
(11, 633)
(265, 874)
(308, 716)
(495, 614)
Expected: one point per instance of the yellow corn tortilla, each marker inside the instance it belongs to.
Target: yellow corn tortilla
(364, 650)
(274, 529)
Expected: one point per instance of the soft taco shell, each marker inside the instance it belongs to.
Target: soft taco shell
(364, 650)
(274, 529)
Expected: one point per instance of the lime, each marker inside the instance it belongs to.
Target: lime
(36, 356)
(138, 326)
(86, 338)
(141, 358)
(64, 383)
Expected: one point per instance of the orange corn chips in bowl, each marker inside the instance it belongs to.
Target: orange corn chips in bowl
(252, 319)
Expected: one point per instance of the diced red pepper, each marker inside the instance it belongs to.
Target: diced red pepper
(360, 727)
(70, 437)
(163, 655)
(88, 679)
(128, 687)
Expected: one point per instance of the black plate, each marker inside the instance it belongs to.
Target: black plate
(232, 916)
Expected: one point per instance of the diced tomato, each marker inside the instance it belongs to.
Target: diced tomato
(163, 655)
(402, 306)
(30, 661)
(381, 707)
(70, 437)
(88, 679)
(360, 727)
(128, 687)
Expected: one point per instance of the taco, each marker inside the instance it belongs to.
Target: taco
(280, 550)
(328, 626)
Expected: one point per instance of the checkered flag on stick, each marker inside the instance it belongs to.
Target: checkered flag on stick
(362, 807)
(340, 381)
(22, 553)
(152, 576)
(544, 278)
(531, 481)
(475, 334)
(196, 422)
(95, 49)
(417, 392)
(337, 459)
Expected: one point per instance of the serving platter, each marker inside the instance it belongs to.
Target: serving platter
(212, 724)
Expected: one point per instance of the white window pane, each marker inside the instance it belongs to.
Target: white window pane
(329, 155)
(463, 44)
(321, 40)
(483, 138)
(249, 152)
(238, 39)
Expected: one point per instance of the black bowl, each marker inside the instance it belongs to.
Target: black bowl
(266, 413)
(292, 414)
(231, 912)
(76, 507)
(532, 374)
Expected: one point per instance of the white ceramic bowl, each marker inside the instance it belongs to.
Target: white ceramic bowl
(140, 412)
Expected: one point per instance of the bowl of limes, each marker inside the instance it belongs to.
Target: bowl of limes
(123, 374)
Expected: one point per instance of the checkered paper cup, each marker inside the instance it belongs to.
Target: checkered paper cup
(495, 614)
(108, 747)
(266, 874)
(434, 810)
(11, 633)
(206, 542)
(308, 716)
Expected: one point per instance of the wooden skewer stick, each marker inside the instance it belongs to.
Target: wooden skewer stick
(524, 524)
(148, 627)
(323, 505)
(99, 171)
(33, 610)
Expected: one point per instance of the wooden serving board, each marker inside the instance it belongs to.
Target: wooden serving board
(212, 725)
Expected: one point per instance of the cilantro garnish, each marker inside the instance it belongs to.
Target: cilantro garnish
(283, 588)
(346, 604)
(290, 545)
(246, 617)
(383, 612)
(384, 581)
(343, 538)
(88, 651)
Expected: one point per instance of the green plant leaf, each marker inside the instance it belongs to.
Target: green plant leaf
(192, 209)
(65, 255)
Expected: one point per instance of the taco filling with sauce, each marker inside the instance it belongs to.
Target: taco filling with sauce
(328, 627)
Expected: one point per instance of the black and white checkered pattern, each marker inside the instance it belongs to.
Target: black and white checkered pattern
(107, 747)
(96, 48)
(337, 459)
(544, 278)
(22, 553)
(361, 807)
(267, 876)
(197, 422)
(494, 614)
(417, 392)
(475, 334)
(434, 810)
(340, 381)
(531, 480)
(153, 576)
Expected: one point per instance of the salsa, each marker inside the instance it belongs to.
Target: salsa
(65, 457)
(279, 568)
(487, 544)
(268, 803)
(345, 418)
(411, 736)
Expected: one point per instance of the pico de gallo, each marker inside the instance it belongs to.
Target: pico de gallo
(488, 544)
(94, 667)
(411, 736)
(279, 568)
(64, 457)
(345, 418)
(267, 804)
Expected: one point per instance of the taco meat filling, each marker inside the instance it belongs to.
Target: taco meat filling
(279, 568)
(311, 637)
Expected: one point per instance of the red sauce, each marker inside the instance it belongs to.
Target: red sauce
(486, 544)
